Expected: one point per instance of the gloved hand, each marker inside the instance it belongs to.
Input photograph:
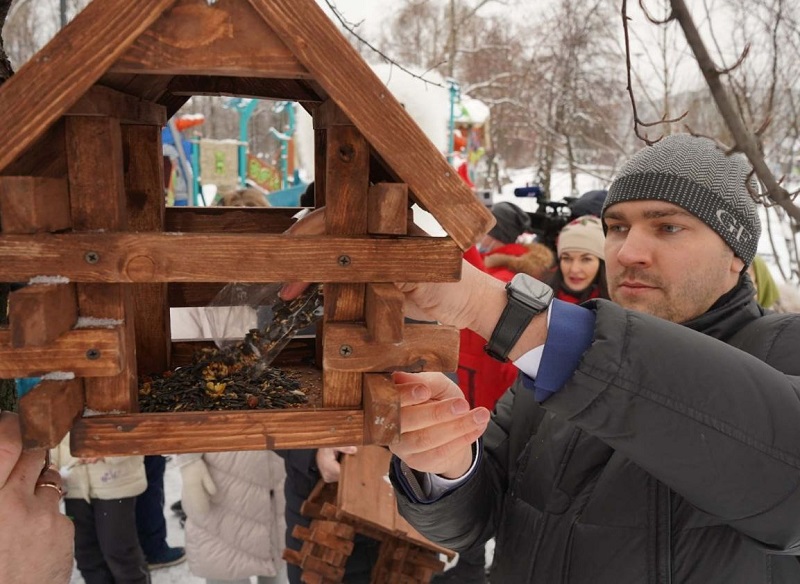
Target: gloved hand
(198, 488)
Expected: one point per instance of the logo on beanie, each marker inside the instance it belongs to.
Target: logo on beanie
(733, 226)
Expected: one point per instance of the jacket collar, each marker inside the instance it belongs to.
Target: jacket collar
(731, 312)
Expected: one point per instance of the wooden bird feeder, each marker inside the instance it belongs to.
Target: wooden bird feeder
(85, 225)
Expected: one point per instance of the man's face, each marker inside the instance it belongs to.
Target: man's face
(664, 261)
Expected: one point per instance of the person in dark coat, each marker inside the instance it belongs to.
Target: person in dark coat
(652, 439)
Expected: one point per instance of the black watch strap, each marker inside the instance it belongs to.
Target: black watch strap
(514, 319)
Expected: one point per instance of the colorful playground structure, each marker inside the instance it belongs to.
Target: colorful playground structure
(192, 162)
(457, 124)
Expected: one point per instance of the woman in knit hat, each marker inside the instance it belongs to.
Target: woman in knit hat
(581, 273)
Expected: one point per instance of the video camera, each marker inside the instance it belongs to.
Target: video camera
(549, 217)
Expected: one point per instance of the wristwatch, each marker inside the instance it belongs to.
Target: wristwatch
(527, 297)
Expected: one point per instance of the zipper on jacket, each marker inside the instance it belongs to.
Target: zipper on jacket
(568, 548)
(662, 532)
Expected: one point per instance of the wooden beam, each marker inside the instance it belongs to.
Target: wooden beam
(144, 186)
(227, 38)
(215, 431)
(41, 313)
(425, 347)
(98, 201)
(387, 209)
(171, 257)
(30, 204)
(381, 410)
(230, 220)
(346, 160)
(86, 352)
(47, 412)
(384, 313)
(46, 157)
(382, 120)
(55, 78)
(104, 101)
(282, 89)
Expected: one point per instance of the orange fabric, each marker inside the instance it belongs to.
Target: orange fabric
(483, 379)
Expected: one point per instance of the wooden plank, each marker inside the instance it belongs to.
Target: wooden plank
(146, 87)
(98, 201)
(387, 209)
(381, 410)
(328, 115)
(96, 181)
(170, 257)
(225, 38)
(55, 78)
(425, 347)
(382, 120)
(384, 313)
(230, 220)
(86, 352)
(30, 204)
(144, 187)
(104, 101)
(40, 313)
(279, 89)
(215, 431)
(47, 412)
(346, 188)
(364, 496)
(45, 157)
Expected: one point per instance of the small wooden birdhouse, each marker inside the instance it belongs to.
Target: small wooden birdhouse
(84, 224)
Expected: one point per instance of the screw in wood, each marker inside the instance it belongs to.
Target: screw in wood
(92, 257)
(93, 354)
(344, 260)
(345, 350)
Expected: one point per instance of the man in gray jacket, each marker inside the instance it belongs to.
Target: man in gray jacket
(655, 439)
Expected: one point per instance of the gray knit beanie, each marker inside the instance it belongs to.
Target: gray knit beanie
(511, 222)
(696, 175)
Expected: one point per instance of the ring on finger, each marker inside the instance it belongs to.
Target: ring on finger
(51, 485)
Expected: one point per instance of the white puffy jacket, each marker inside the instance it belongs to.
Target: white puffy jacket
(242, 535)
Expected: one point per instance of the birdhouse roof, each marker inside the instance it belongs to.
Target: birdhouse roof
(161, 52)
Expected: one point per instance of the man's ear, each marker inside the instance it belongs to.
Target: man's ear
(737, 265)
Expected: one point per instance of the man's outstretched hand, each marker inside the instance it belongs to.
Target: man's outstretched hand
(437, 426)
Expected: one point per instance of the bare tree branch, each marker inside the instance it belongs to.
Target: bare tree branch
(636, 121)
(351, 28)
(745, 141)
(647, 15)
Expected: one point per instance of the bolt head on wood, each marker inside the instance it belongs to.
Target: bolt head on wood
(344, 260)
(93, 354)
(345, 350)
(92, 257)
